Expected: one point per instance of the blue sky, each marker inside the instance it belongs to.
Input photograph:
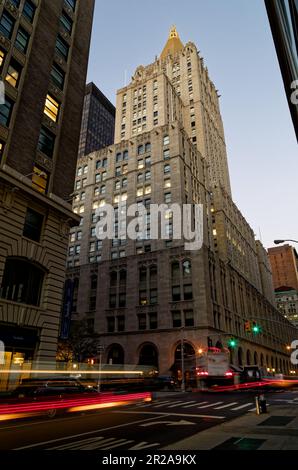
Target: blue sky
(235, 40)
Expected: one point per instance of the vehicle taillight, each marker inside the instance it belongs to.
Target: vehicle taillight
(229, 374)
(202, 373)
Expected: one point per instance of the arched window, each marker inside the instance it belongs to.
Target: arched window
(125, 155)
(186, 268)
(22, 282)
(116, 354)
(118, 157)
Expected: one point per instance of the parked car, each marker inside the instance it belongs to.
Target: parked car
(30, 388)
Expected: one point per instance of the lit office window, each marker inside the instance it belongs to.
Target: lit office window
(51, 108)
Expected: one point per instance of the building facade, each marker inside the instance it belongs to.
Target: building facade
(98, 121)
(147, 296)
(284, 265)
(44, 49)
(287, 303)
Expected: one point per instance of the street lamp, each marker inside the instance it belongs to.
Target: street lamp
(278, 242)
(100, 350)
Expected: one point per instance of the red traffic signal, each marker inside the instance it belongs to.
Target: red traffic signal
(247, 326)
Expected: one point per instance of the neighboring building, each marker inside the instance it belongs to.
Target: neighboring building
(44, 47)
(144, 296)
(283, 18)
(287, 303)
(98, 121)
(284, 264)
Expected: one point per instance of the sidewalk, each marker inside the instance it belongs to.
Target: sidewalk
(249, 432)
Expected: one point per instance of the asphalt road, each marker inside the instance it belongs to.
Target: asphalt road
(168, 419)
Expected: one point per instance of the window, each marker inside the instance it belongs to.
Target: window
(6, 25)
(22, 282)
(33, 225)
(51, 108)
(124, 183)
(122, 300)
(62, 48)
(176, 316)
(111, 324)
(125, 155)
(13, 73)
(175, 269)
(66, 23)
(167, 183)
(140, 149)
(147, 147)
(121, 323)
(187, 289)
(92, 303)
(16, 3)
(167, 169)
(93, 282)
(58, 76)
(22, 40)
(5, 111)
(78, 249)
(188, 318)
(186, 268)
(143, 297)
(168, 198)
(153, 296)
(71, 4)
(2, 57)
(166, 154)
(153, 321)
(166, 140)
(29, 11)
(39, 180)
(142, 321)
(176, 294)
(46, 142)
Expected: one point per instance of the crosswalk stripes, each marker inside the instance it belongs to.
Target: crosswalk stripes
(194, 403)
(211, 404)
(241, 406)
(94, 443)
(226, 406)
(164, 402)
(173, 405)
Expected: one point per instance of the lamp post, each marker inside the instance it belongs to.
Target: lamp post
(100, 350)
(278, 242)
(182, 362)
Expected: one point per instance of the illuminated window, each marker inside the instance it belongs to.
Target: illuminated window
(214, 232)
(51, 108)
(2, 57)
(39, 180)
(167, 183)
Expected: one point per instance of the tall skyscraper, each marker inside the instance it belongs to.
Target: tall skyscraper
(44, 48)
(145, 296)
(284, 264)
(98, 121)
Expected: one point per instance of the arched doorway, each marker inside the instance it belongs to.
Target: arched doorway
(248, 357)
(115, 354)
(240, 357)
(255, 358)
(148, 355)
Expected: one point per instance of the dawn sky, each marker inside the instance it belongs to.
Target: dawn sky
(235, 40)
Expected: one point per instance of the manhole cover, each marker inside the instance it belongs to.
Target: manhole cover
(240, 443)
(277, 421)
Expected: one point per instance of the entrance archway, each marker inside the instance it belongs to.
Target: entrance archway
(115, 354)
(148, 355)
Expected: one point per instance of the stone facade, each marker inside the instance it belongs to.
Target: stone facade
(284, 265)
(39, 141)
(144, 297)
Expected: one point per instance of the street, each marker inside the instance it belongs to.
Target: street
(168, 419)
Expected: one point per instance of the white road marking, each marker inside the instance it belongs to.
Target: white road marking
(86, 433)
(171, 406)
(160, 413)
(144, 405)
(194, 403)
(175, 404)
(241, 406)
(210, 404)
(226, 406)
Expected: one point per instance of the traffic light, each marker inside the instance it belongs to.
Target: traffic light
(247, 326)
(232, 343)
(255, 328)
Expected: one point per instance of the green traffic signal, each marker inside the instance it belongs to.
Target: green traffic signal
(256, 328)
(232, 343)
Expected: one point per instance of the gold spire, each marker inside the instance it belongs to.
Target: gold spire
(173, 44)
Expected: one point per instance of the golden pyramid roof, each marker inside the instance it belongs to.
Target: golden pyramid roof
(173, 44)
